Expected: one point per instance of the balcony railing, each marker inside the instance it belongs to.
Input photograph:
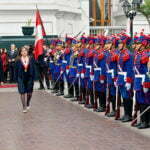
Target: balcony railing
(97, 30)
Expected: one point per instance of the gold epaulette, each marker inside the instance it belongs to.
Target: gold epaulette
(72, 66)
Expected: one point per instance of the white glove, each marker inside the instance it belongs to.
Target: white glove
(61, 72)
(91, 77)
(82, 75)
(145, 90)
(102, 81)
(115, 83)
(57, 57)
(128, 86)
(77, 75)
(67, 71)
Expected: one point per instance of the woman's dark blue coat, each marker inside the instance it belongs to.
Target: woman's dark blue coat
(24, 79)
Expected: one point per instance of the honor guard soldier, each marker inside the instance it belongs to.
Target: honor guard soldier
(52, 62)
(89, 73)
(73, 76)
(111, 65)
(99, 45)
(60, 51)
(65, 63)
(57, 73)
(125, 76)
(142, 80)
(100, 72)
(81, 70)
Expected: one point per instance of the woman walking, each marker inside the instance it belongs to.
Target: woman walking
(25, 73)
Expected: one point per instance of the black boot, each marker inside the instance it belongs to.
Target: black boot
(143, 125)
(59, 93)
(113, 102)
(127, 118)
(112, 114)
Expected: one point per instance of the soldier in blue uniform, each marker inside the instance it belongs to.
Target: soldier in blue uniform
(60, 51)
(57, 72)
(142, 81)
(89, 73)
(65, 64)
(73, 76)
(125, 77)
(100, 72)
(98, 47)
(81, 70)
(111, 64)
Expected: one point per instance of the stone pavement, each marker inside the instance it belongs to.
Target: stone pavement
(56, 124)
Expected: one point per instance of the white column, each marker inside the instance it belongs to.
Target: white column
(84, 25)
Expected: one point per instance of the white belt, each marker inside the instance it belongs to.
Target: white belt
(142, 76)
(112, 72)
(64, 61)
(51, 61)
(88, 67)
(97, 69)
(80, 64)
(124, 74)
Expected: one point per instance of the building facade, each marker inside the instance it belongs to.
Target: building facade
(60, 17)
(110, 13)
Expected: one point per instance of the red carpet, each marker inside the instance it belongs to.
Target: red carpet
(8, 85)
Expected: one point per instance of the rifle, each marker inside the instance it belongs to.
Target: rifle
(80, 94)
(58, 79)
(107, 100)
(72, 83)
(95, 94)
(107, 97)
(87, 101)
(136, 109)
(141, 114)
(135, 105)
(95, 98)
(118, 104)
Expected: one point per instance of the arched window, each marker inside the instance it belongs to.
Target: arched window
(100, 11)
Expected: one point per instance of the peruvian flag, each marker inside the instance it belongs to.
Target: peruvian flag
(40, 32)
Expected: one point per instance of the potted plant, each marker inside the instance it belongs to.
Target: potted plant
(28, 29)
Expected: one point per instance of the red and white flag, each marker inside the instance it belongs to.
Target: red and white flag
(40, 32)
